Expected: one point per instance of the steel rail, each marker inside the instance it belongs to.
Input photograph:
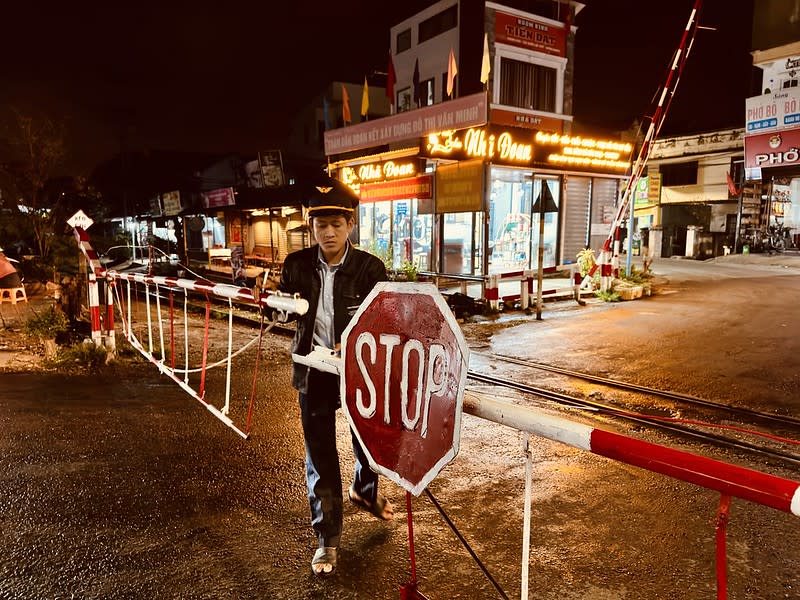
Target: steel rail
(618, 413)
(688, 398)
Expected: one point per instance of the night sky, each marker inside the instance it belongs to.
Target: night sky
(218, 77)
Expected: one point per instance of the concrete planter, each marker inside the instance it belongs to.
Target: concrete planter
(630, 292)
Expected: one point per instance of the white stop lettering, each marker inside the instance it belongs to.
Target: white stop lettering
(431, 378)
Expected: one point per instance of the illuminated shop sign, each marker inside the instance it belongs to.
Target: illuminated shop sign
(401, 189)
(374, 172)
(533, 34)
(778, 149)
(523, 147)
(571, 151)
(500, 146)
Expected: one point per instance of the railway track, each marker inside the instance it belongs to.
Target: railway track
(710, 412)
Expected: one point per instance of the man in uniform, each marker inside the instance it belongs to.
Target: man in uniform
(334, 277)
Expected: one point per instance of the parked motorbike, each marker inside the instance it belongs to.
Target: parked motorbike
(778, 238)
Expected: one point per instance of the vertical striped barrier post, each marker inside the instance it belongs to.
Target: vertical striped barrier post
(577, 281)
(94, 309)
(95, 270)
(525, 289)
(493, 293)
(604, 260)
(615, 255)
(111, 342)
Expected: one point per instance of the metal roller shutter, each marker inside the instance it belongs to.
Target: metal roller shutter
(575, 217)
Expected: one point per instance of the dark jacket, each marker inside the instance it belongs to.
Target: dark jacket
(351, 284)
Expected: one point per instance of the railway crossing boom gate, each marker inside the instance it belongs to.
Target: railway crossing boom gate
(378, 407)
(407, 342)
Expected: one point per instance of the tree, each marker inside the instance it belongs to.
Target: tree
(34, 149)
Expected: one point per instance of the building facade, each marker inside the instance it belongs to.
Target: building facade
(772, 125)
(688, 204)
(468, 182)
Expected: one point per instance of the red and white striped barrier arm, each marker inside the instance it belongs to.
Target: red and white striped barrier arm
(287, 303)
(761, 488)
(526, 279)
(665, 98)
(95, 268)
(284, 303)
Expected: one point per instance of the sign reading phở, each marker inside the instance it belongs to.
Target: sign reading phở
(773, 111)
(775, 149)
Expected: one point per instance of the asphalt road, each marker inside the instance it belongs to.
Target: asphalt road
(121, 486)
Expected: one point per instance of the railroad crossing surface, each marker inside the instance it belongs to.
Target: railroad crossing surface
(139, 494)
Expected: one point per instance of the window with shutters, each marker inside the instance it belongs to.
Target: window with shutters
(529, 81)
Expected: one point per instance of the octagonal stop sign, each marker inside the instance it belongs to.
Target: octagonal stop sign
(404, 365)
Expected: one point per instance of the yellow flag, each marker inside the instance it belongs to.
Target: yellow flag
(345, 106)
(365, 99)
(486, 66)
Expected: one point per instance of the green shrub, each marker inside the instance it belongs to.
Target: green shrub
(636, 276)
(607, 296)
(85, 355)
(47, 324)
(409, 269)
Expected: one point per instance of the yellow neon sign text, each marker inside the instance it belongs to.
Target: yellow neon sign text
(586, 152)
(477, 143)
(372, 172)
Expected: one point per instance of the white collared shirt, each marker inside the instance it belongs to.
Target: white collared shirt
(324, 334)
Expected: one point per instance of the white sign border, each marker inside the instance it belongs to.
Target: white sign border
(427, 289)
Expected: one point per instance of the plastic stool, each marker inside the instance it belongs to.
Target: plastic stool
(13, 295)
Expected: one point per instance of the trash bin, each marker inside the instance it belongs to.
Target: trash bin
(746, 249)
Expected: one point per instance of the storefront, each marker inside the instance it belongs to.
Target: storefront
(469, 200)
(647, 213)
(505, 181)
(395, 220)
(773, 159)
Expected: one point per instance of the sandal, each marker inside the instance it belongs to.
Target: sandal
(324, 561)
(381, 508)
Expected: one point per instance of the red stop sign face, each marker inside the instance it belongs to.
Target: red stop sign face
(405, 363)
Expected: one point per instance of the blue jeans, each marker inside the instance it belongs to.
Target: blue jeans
(323, 475)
